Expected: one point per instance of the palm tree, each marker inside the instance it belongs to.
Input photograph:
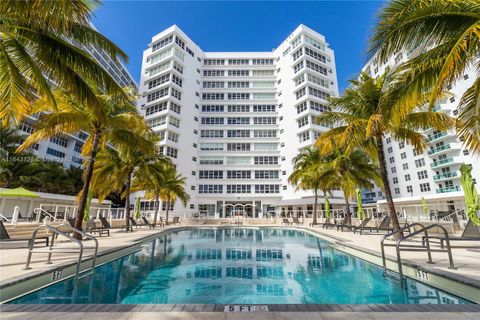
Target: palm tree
(117, 167)
(308, 175)
(117, 122)
(370, 109)
(446, 36)
(172, 189)
(43, 42)
(152, 182)
(349, 170)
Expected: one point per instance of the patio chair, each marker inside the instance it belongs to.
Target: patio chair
(286, 221)
(176, 220)
(296, 221)
(4, 236)
(162, 223)
(92, 228)
(133, 222)
(352, 227)
(105, 224)
(383, 226)
(147, 223)
(470, 233)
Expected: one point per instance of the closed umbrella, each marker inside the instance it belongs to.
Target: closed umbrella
(424, 206)
(360, 211)
(471, 195)
(327, 208)
(137, 209)
(86, 216)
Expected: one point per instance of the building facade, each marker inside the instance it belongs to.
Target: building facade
(233, 121)
(433, 174)
(66, 149)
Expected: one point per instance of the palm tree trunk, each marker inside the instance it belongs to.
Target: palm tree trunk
(157, 204)
(127, 201)
(386, 185)
(315, 205)
(86, 185)
(168, 208)
(347, 209)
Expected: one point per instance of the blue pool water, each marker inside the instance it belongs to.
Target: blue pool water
(236, 266)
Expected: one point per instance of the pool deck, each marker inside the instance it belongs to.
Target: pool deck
(13, 256)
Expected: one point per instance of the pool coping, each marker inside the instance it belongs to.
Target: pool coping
(8, 283)
(404, 308)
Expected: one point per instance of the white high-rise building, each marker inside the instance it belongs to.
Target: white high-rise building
(233, 121)
(66, 149)
(435, 173)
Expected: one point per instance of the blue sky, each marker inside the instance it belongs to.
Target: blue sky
(242, 26)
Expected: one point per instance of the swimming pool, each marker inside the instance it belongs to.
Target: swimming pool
(239, 266)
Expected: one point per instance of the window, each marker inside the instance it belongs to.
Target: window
(175, 107)
(397, 190)
(210, 174)
(238, 61)
(263, 73)
(392, 160)
(213, 84)
(409, 189)
(239, 174)
(263, 96)
(315, 106)
(304, 136)
(318, 93)
(63, 142)
(263, 84)
(238, 108)
(157, 121)
(265, 146)
(238, 133)
(264, 133)
(213, 73)
(212, 120)
(214, 108)
(238, 96)
(407, 177)
(239, 188)
(211, 146)
(388, 140)
(28, 128)
(177, 80)
(55, 153)
(405, 166)
(172, 152)
(395, 180)
(401, 145)
(403, 155)
(176, 94)
(78, 147)
(302, 107)
(157, 94)
(238, 146)
(213, 96)
(267, 188)
(316, 67)
(314, 54)
(180, 42)
(158, 81)
(390, 150)
(263, 108)
(266, 174)
(422, 175)
(300, 93)
(177, 67)
(241, 161)
(213, 62)
(210, 188)
(238, 84)
(302, 121)
(419, 163)
(266, 160)
(299, 80)
(174, 121)
(264, 120)
(238, 73)
(297, 54)
(424, 187)
(394, 170)
(172, 136)
(262, 62)
(316, 80)
(211, 133)
(314, 43)
(298, 67)
(156, 108)
(162, 43)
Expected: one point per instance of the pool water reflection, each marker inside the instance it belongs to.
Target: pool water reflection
(236, 266)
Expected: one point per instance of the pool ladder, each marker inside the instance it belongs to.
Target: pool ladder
(55, 232)
(425, 247)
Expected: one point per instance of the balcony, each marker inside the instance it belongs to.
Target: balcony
(441, 163)
(445, 176)
(436, 136)
(448, 189)
(444, 149)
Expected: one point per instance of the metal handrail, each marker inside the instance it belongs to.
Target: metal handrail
(40, 210)
(426, 242)
(3, 217)
(54, 231)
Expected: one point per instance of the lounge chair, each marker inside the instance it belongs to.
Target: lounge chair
(162, 223)
(4, 236)
(147, 223)
(133, 222)
(327, 223)
(354, 228)
(361, 226)
(383, 226)
(296, 221)
(176, 220)
(286, 221)
(92, 228)
(470, 233)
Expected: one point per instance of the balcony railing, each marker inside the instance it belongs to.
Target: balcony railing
(445, 175)
(438, 149)
(441, 162)
(436, 136)
(448, 189)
